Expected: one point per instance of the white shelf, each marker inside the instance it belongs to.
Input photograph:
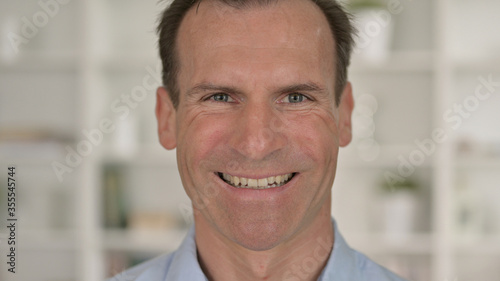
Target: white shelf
(378, 243)
(47, 240)
(388, 157)
(144, 155)
(482, 64)
(398, 62)
(492, 163)
(41, 61)
(32, 153)
(128, 61)
(482, 245)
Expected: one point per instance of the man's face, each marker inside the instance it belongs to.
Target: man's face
(257, 103)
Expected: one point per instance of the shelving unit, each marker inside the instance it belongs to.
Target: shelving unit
(448, 77)
(77, 69)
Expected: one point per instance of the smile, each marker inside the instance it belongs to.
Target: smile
(264, 183)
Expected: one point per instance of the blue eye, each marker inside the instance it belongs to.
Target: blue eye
(221, 97)
(296, 98)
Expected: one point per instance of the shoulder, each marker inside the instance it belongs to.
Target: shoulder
(347, 264)
(151, 270)
(180, 265)
(369, 270)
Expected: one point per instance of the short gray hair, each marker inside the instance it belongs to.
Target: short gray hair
(339, 20)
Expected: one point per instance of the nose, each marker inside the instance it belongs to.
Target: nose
(255, 137)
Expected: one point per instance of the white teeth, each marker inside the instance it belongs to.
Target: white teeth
(270, 180)
(278, 179)
(264, 183)
(252, 183)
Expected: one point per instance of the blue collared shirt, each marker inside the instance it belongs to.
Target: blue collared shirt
(344, 264)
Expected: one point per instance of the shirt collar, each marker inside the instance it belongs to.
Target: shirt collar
(342, 262)
(185, 266)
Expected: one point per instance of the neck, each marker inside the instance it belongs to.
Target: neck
(303, 256)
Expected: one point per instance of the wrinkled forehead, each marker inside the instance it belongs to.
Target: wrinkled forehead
(296, 24)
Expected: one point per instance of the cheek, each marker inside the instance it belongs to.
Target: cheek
(198, 137)
(320, 142)
(317, 135)
(203, 134)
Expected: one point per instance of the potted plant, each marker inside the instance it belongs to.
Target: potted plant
(366, 4)
(375, 28)
(399, 207)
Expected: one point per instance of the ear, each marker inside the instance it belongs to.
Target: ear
(166, 116)
(346, 107)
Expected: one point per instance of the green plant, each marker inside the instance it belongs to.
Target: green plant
(404, 185)
(364, 4)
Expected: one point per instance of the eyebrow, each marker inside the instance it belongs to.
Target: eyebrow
(204, 87)
(301, 87)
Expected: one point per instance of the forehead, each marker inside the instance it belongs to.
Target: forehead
(283, 19)
(275, 33)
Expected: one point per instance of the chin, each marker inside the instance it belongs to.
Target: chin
(259, 242)
(260, 236)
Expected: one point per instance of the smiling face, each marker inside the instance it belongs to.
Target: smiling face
(257, 129)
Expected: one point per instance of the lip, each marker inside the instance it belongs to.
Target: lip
(261, 176)
(256, 194)
(266, 178)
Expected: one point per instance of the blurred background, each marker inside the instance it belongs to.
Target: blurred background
(417, 190)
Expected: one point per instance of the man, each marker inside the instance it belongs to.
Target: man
(257, 103)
